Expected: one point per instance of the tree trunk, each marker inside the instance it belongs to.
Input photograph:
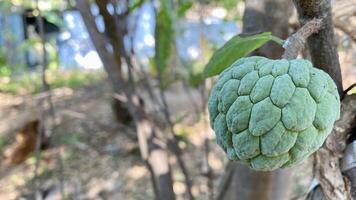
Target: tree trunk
(322, 45)
(156, 160)
(113, 34)
(111, 61)
(247, 184)
(324, 55)
(152, 151)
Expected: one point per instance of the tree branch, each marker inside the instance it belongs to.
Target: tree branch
(349, 88)
(322, 45)
(295, 43)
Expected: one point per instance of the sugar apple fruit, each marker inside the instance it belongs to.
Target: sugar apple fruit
(272, 114)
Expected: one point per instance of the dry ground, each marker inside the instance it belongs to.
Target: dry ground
(99, 157)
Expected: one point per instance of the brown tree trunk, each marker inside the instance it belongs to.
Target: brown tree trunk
(324, 55)
(113, 66)
(247, 184)
(322, 45)
(152, 151)
(114, 37)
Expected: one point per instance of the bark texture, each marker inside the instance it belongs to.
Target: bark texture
(247, 184)
(351, 175)
(322, 45)
(295, 43)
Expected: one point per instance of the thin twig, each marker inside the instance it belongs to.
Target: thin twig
(42, 127)
(295, 43)
(207, 170)
(39, 136)
(349, 88)
(206, 166)
(145, 77)
(173, 140)
(154, 183)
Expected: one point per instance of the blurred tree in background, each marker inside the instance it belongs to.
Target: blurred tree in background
(92, 84)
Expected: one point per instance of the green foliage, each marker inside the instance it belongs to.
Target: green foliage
(184, 6)
(31, 83)
(53, 18)
(237, 47)
(164, 37)
(272, 113)
(31, 42)
(72, 139)
(5, 5)
(229, 4)
(352, 91)
(195, 75)
(196, 68)
(31, 4)
(3, 142)
(5, 71)
(134, 4)
(74, 79)
(182, 135)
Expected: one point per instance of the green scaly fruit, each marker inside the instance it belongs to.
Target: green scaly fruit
(272, 114)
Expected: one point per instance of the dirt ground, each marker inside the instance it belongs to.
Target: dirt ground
(100, 159)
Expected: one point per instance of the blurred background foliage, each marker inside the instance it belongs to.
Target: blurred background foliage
(187, 58)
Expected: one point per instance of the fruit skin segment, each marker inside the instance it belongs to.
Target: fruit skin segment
(272, 114)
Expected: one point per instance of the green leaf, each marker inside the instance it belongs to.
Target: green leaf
(5, 6)
(31, 42)
(53, 18)
(196, 79)
(135, 4)
(184, 7)
(164, 37)
(230, 4)
(237, 47)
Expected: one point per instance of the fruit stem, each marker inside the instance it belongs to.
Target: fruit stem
(277, 40)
